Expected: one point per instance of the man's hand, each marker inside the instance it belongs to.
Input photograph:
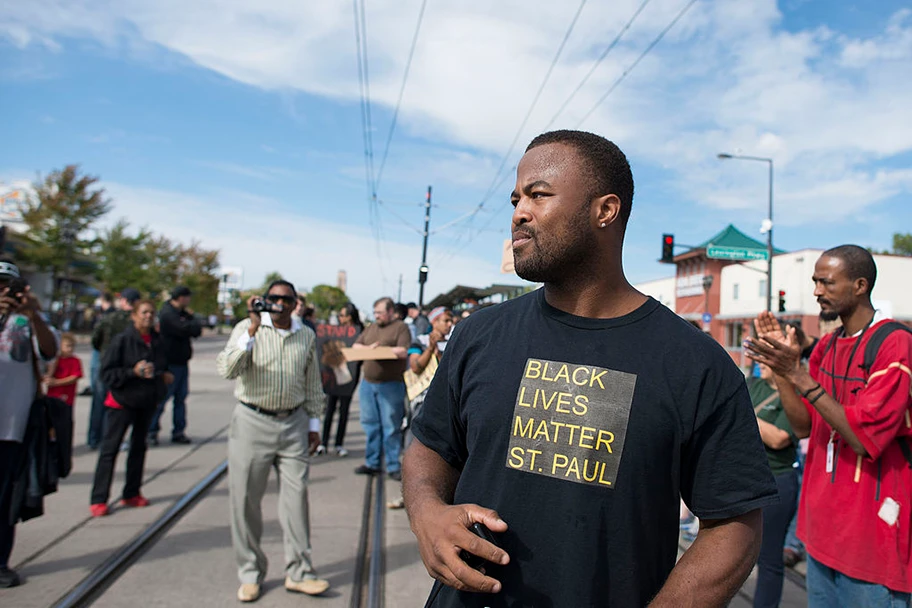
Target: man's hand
(168, 377)
(254, 316)
(313, 442)
(768, 327)
(433, 338)
(782, 356)
(443, 531)
(9, 304)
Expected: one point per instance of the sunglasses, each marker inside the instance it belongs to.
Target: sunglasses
(275, 298)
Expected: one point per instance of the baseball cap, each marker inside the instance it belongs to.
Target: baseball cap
(180, 291)
(9, 269)
(130, 295)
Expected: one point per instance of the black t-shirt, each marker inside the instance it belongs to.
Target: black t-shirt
(622, 416)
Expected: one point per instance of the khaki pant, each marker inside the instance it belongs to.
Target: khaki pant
(256, 444)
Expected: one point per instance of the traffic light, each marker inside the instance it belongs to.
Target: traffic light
(781, 300)
(668, 243)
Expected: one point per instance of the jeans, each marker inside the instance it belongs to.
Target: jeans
(10, 454)
(776, 520)
(97, 411)
(382, 408)
(344, 403)
(179, 390)
(116, 423)
(94, 368)
(829, 588)
(791, 539)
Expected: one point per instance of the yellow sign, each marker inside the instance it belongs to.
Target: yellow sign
(415, 384)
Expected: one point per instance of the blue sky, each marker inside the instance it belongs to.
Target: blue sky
(239, 124)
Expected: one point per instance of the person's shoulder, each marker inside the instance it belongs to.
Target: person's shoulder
(899, 339)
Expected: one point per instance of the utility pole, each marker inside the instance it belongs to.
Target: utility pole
(399, 299)
(423, 269)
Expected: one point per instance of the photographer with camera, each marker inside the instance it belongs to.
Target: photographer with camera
(276, 423)
(23, 332)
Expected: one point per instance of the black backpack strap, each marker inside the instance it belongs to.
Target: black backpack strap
(877, 339)
(870, 354)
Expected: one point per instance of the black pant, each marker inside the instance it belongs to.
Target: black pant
(116, 423)
(776, 520)
(344, 403)
(10, 453)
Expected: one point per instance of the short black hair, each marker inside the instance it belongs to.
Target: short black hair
(282, 282)
(858, 261)
(401, 309)
(606, 164)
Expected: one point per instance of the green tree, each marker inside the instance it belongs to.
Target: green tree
(63, 207)
(270, 278)
(902, 244)
(326, 298)
(123, 259)
(163, 268)
(197, 270)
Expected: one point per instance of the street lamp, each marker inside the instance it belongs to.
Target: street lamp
(769, 224)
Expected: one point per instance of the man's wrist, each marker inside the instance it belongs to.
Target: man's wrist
(802, 381)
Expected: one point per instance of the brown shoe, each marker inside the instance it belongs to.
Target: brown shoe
(310, 586)
(249, 592)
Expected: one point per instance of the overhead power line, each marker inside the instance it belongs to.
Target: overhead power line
(626, 72)
(597, 63)
(496, 179)
(408, 65)
(614, 86)
(541, 88)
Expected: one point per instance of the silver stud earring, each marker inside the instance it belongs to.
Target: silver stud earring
(602, 225)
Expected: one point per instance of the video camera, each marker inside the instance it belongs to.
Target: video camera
(264, 305)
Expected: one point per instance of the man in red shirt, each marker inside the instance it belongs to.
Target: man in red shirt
(65, 373)
(855, 513)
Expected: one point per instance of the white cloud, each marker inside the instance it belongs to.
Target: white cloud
(826, 106)
(307, 251)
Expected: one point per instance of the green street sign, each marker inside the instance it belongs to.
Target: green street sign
(738, 254)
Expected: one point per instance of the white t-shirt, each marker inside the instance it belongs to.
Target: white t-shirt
(17, 377)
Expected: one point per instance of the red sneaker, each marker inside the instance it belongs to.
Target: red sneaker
(137, 501)
(99, 510)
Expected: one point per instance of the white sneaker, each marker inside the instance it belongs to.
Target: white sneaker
(320, 450)
(341, 452)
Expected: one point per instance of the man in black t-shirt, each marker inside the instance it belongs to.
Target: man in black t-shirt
(570, 421)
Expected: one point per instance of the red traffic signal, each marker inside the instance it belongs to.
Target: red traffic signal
(667, 249)
(781, 300)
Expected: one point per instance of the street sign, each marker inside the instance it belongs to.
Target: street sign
(738, 254)
(707, 317)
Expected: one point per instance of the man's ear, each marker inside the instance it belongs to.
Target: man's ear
(862, 287)
(607, 209)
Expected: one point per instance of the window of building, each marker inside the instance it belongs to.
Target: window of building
(735, 291)
(734, 334)
(762, 288)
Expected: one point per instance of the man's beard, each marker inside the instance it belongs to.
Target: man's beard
(555, 262)
(829, 315)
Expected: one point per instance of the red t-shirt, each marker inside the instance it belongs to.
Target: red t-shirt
(110, 401)
(66, 367)
(838, 515)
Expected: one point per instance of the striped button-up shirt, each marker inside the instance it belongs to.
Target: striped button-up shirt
(276, 370)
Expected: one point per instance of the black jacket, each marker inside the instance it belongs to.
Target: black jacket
(126, 350)
(44, 459)
(177, 327)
